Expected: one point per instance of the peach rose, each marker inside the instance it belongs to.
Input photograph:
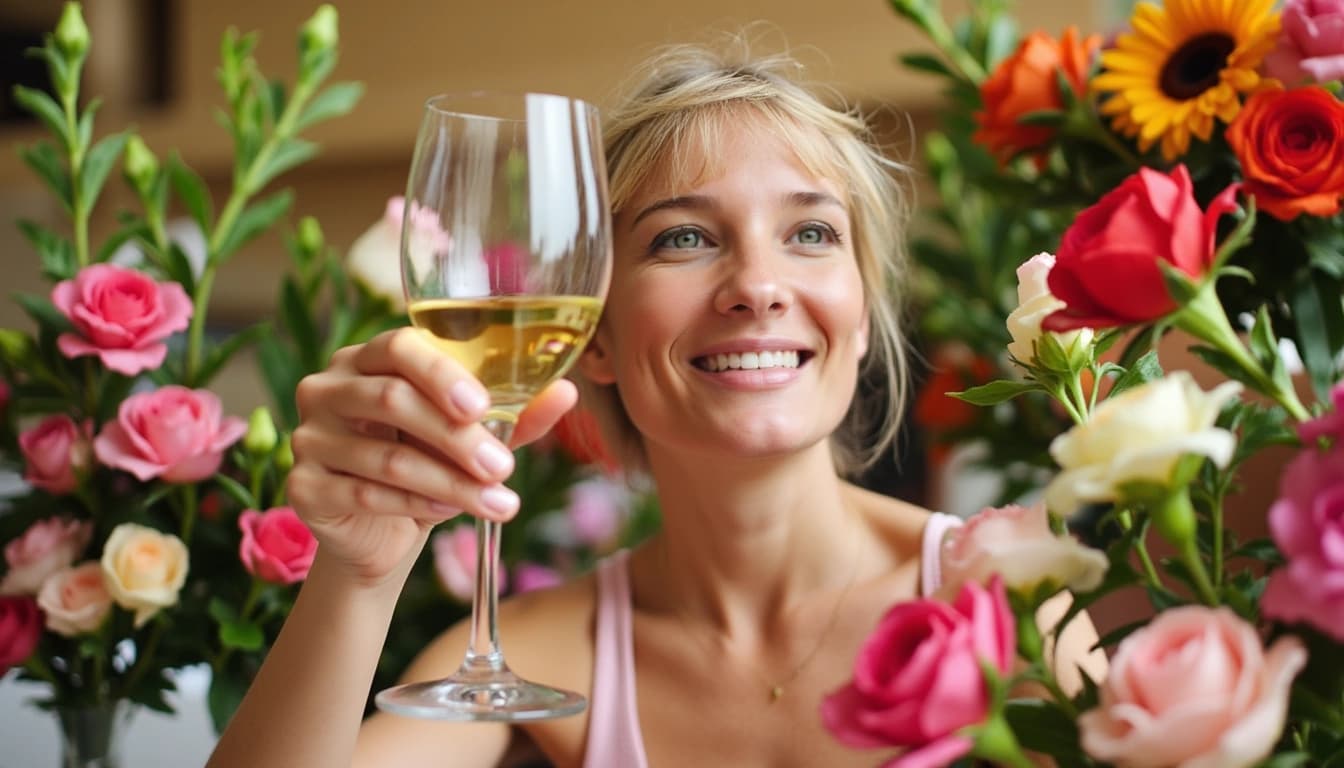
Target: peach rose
(144, 569)
(1017, 543)
(75, 600)
(1193, 689)
(45, 548)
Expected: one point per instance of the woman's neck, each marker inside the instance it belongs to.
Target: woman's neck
(743, 541)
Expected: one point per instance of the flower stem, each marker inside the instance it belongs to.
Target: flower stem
(142, 660)
(995, 741)
(79, 209)
(1195, 564)
(190, 507)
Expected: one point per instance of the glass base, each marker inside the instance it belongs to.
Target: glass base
(475, 696)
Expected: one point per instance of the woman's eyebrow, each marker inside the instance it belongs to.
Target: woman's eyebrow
(808, 199)
(693, 202)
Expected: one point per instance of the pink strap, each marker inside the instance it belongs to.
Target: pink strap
(614, 738)
(931, 551)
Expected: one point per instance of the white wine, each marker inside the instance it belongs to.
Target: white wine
(515, 345)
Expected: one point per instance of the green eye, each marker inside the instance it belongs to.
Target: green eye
(810, 236)
(816, 234)
(681, 239)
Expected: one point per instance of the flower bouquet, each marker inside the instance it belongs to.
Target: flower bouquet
(1181, 184)
(150, 530)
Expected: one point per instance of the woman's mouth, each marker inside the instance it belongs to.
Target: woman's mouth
(752, 361)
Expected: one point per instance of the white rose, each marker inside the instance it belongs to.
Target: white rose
(1017, 543)
(1034, 303)
(1139, 435)
(75, 600)
(144, 569)
(375, 257)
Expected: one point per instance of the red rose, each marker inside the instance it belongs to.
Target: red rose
(1291, 148)
(20, 627)
(1027, 82)
(1106, 270)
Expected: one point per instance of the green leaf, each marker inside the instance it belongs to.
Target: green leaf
(225, 351)
(1042, 726)
(1225, 364)
(98, 164)
(241, 635)
(299, 322)
(1119, 633)
(132, 230)
(1000, 39)
(1318, 314)
(56, 252)
(221, 611)
(43, 312)
(44, 107)
(1264, 550)
(1287, 760)
(996, 392)
(290, 153)
(178, 267)
(44, 160)
(236, 490)
(333, 101)
(86, 125)
(1142, 371)
(157, 495)
(1047, 117)
(1179, 285)
(254, 220)
(189, 186)
(928, 63)
(224, 698)
(282, 373)
(1142, 343)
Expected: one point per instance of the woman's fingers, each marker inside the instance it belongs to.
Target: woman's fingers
(408, 353)
(360, 475)
(544, 411)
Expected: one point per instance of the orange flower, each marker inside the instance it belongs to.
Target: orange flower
(1026, 82)
(580, 438)
(1291, 148)
(935, 410)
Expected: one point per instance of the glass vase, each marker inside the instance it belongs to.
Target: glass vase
(93, 736)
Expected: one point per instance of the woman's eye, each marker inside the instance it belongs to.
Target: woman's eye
(816, 234)
(681, 238)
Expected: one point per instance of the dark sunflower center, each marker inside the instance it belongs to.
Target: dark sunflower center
(1194, 67)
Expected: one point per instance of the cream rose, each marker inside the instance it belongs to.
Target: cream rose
(1139, 435)
(1034, 303)
(75, 600)
(1017, 543)
(375, 257)
(145, 569)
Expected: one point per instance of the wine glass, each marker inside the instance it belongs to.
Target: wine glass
(505, 256)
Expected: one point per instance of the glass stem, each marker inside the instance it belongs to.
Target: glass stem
(484, 654)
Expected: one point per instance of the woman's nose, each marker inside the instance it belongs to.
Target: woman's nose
(755, 282)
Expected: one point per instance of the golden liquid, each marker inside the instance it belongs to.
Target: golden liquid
(515, 345)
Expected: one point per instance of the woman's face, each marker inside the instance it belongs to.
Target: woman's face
(736, 320)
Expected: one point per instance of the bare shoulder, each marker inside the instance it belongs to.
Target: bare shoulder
(897, 524)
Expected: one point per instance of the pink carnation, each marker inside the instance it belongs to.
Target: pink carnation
(121, 315)
(173, 432)
(276, 545)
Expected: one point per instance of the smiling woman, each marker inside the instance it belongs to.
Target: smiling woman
(757, 240)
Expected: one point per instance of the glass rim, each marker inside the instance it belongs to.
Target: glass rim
(439, 103)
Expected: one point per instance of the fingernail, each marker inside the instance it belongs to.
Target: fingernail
(494, 458)
(446, 510)
(469, 397)
(500, 500)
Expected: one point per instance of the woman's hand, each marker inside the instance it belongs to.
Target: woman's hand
(391, 443)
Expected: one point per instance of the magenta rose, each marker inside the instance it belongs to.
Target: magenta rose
(1192, 689)
(4, 395)
(1106, 269)
(173, 432)
(46, 547)
(1307, 523)
(1311, 42)
(121, 315)
(528, 577)
(917, 679)
(20, 628)
(53, 452)
(276, 546)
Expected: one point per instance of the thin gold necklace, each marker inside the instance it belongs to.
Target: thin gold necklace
(776, 688)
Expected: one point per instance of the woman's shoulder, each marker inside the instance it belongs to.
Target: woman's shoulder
(898, 522)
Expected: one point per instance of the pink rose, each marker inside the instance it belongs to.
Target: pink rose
(53, 452)
(276, 545)
(455, 562)
(45, 548)
(1017, 544)
(1106, 269)
(173, 432)
(121, 315)
(531, 576)
(917, 679)
(20, 628)
(596, 508)
(1193, 689)
(1307, 523)
(1311, 43)
(75, 600)
(1329, 425)
(4, 395)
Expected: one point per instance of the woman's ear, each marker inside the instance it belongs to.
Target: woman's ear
(595, 363)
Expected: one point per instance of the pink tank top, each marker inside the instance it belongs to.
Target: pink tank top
(614, 738)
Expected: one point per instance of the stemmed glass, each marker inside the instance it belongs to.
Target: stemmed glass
(505, 256)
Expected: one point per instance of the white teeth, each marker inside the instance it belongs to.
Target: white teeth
(751, 361)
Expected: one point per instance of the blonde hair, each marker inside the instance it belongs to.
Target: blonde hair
(689, 96)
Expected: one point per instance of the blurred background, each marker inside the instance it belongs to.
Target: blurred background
(153, 64)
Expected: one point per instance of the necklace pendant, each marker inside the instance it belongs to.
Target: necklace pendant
(776, 693)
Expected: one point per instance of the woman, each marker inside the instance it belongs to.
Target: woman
(756, 250)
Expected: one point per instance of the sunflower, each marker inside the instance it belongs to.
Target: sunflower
(1182, 66)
